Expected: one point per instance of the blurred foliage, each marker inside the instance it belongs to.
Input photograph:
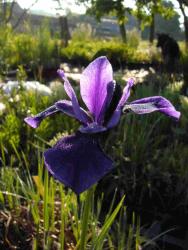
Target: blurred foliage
(100, 8)
(83, 32)
(166, 24)
(40, 51)
(146, 8)
(19, 104)
(149, 152)
(133, 38)
(184, 63)
(25, 49)
(119, 54)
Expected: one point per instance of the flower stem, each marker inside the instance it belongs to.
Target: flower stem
(85, 218)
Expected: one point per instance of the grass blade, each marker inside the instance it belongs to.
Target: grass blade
(100, 241)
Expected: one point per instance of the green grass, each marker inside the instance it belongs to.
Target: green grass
(56, 215)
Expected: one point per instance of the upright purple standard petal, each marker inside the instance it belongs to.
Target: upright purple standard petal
(117, 113)
(34, 121)
(110, 91)
(70, 92)
(77, 161)
(126, 92)
(151, 104)
(93, 85)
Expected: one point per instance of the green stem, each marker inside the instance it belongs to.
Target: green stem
(85, 219)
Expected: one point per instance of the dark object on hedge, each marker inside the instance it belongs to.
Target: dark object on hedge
(170, 52)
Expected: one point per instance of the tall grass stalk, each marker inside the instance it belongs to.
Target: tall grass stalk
(46, 209)
(85, 218)
(107, 225)
(62, 229)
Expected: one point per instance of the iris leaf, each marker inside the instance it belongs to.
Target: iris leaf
(104, 231)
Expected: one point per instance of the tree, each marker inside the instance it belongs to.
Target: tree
(63, 21)
(6, 12)
(169, 26)
(99, 8)
(146, 11)
(183, 5)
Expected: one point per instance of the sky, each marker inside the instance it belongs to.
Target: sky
(51, 6)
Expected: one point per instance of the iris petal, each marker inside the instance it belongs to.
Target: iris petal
(115, 118)
(106, 103)
(67, 108)
(117, 113)
(63, 106)
(93, 85)
(92, 128)
(151, 104)
(77, 161)
(34, 121)
(126, 92)
(70, 92)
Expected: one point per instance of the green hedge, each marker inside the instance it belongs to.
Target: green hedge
(41, 49)
(119, 54)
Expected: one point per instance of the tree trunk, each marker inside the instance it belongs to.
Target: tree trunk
(123, 32)
(152, 29)
(4, 11)
(185, 23)
(65, 34)
(184, 89)
(186, 32)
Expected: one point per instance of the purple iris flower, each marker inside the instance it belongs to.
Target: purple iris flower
(78, 160)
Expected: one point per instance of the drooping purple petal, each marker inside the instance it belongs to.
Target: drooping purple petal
(151, 104)
(34, 121)
(60, 106)
(70, 92)
(67, 108)
(117, 113)
(77, 161)
(92, 128)
(93, 84)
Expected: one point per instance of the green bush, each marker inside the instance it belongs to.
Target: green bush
(150, 153)
(133, 38)
(26, 49)
(78, 53)
(42, 50)
(119, 54)
(13, 129)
